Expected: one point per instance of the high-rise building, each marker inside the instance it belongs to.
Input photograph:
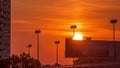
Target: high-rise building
(5, 28)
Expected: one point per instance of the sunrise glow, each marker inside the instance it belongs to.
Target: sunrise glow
(78, 37)
(54, 19)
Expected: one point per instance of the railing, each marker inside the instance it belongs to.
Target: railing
(101, 65)
(91, 65)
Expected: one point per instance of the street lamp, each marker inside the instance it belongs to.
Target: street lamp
(114, 21)
(57, 42)
(73, 27)
(29, 46)
(37, 32)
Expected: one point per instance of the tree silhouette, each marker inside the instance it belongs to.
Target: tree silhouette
(14, 61)
(24, 61)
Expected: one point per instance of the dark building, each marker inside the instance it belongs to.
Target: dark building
(92, 51)
(5, 16)
(4, 28)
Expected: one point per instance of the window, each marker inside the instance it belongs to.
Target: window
(1, 0)
(0, 43)
(0, 29)
(0, 36)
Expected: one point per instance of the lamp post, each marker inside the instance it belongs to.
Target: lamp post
(73, 27)
(29, 46)
(114, 21)
(37, 32)
(57, 42)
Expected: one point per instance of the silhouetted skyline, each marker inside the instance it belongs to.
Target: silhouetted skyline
(54, 18)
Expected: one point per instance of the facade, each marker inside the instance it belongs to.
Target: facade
(5, 29)
(92, 51)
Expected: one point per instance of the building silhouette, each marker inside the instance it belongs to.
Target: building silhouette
(5, 28)
(93, 52)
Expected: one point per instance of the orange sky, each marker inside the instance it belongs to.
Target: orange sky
(54, 18)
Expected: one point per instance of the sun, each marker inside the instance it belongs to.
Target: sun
(78, 37)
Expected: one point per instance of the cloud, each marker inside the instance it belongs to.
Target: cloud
(55, 12)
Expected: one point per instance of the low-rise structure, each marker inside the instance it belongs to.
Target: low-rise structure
(92, 51)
